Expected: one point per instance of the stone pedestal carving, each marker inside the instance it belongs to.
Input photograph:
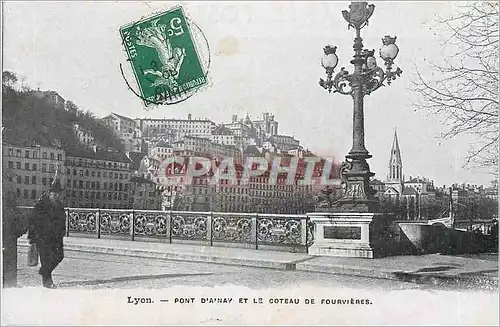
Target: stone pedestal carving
(358, 235)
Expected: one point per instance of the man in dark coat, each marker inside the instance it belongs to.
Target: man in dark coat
(47, 229)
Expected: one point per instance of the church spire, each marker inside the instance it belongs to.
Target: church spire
(395, 163)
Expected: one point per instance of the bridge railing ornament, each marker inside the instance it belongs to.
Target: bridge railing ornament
(280, 230)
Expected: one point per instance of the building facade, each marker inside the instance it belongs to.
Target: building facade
(97, 180)
(31, 170)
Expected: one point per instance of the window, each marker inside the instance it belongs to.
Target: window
(11, 152)
(25, 193)
(105, 174)
(44, 168)
(11, 164)
(34, 167)
(86, 173)
(59, 157)
(44, 180)
(68, 171)
(73, 194)
(51, 168)
(75, 183)
(98, 185)
(81, 172)
(18, 193)
(87, 184)
(92, 173)
(51, 180)
(116, 175)
(18, 165)
(26, 166)
(80, 184)
(44, 155)
(18, 179)
(68, 182)
(26, 154)
(33, 179)
(105, 185)
(98, 174)
(33, 194)
(18, 153)
(34, 154)
(52, 156)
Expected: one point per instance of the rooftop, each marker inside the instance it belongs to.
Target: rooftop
(98, 155)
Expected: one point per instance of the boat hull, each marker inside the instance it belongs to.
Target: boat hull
(440, 239)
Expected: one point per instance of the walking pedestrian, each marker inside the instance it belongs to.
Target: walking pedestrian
(47, 229)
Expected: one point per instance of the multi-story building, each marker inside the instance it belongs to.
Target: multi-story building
(178, 128)
(223, 135)
(97, 180)
(284, 142)
(256, 131)
(267, 126)
(119, 124)
(84, 136)
(31, 170)
(161, 150)
(492, 191)
(126, 129)
(54, 97)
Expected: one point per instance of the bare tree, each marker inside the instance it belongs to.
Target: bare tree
(462, 90)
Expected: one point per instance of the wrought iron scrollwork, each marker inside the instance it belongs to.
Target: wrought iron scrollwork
(189, 227)
(115, 223)
(310, 233)
(83, 222)
(342, 82)
(150, 225)
(279, 231)
(233, 229)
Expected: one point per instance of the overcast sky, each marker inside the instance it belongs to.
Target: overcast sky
(264, 57)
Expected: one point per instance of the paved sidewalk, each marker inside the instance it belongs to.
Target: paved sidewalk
(185, 252)
(479, 270)
(471, 271)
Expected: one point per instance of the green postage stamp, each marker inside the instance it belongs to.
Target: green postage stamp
(164, 57)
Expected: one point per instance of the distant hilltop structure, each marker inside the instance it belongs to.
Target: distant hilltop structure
(201, 135)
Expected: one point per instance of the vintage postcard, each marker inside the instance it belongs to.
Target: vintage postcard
(250, 163)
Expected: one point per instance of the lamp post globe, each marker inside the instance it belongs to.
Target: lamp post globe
(389, 49)
(330, 59)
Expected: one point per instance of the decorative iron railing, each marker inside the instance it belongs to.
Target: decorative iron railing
(290, 231)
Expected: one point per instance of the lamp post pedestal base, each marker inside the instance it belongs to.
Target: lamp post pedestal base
(351, 205)
(352, 234)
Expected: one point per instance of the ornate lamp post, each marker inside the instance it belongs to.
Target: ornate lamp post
(366, 78)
